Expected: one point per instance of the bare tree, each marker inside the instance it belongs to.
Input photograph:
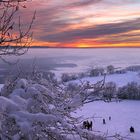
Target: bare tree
(13, 40)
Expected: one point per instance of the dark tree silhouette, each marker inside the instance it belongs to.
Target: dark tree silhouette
(13, 39)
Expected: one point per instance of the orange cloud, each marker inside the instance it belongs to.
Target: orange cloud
(91, 23)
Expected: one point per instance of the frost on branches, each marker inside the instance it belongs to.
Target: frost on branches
(39, 110)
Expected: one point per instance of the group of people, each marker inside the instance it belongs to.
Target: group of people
(88, 125)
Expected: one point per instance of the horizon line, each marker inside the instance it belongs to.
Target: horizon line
(130, 47)
(54, 47)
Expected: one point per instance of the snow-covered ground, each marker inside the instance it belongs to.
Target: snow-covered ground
(119, 79)
(1, 85)
(123, 115)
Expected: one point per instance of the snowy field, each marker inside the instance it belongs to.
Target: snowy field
(123, 115)
(119, 79)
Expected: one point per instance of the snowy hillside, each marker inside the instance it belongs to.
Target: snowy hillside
(32, 111)
(119, 79)
(38, 108)
(123, 115)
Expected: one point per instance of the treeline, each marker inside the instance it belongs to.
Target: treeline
(129, 91)
(98, 71)
(109, 91)
(93, 72)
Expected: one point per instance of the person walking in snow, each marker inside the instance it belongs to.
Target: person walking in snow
(104, 121)
(132, 130)
(91, 125)
(84, 124)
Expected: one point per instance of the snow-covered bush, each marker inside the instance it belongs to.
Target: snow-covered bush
(122, 92)
(110, 69)
(130, 91)
(133, 68)
(38, 110)
(68, 77)
(82, 75)
(109, 91)
(50, 76)
(72, 88)
(121, 71)
(96, 71)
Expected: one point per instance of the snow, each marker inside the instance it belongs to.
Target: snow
(31, 107)
(123, 115)
(41, 117)
(26, 104)
(1, 85)
(119, 79)
(22, 83)
(8, 105)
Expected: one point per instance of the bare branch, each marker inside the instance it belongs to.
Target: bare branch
(13, 39)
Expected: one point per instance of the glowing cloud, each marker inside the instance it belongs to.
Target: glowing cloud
(86, 23)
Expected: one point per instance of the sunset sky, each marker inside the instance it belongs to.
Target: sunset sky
(85, 23)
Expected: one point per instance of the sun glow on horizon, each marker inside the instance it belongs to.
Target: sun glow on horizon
(82, 45)
(87, 24)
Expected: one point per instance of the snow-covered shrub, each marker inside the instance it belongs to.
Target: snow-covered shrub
(121, 71)
(72, 87)
(65, 77)
(110, 69)
(130, 91)
(50, 76)
(82, 75)
(122, 92)
(133, 68)
(38, 110)
(96, 71)
(109, 91)
(8, 87)
(68, 77)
